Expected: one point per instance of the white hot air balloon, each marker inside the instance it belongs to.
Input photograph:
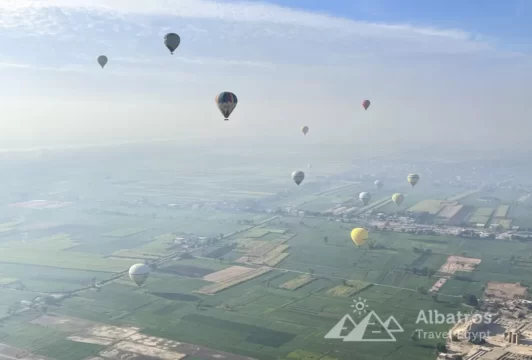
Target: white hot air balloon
(298, 177)
(378, 184)
(139, 273)
(365, 197)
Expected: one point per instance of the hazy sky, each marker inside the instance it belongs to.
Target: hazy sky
(443, 72)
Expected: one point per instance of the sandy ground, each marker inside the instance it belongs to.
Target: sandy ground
(505, 291)
(124, 343)
(227, 274)
(40, 204)
(459, 263)
(12, 353)
(233, 280)
(140, 349)
(454, 264)
(63, 323)
(438, 284)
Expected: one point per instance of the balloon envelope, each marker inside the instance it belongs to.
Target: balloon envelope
(366, 104)
(172, 41)
(398, 198)
(298, 177)
(139, 273)
(102, 60)
(226, 102)
(365, 197)
(413, 179)
(378, 184)
(304, 129)
(359, 236)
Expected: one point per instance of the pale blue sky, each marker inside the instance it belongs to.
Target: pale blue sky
(436, 71)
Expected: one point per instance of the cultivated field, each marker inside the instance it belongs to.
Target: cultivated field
(270, 292)
(431, 206)
(249, 312)
(481, 215)
(298, 282)
(124, 342)
(453, 265)
(502, 211)
(227, 278)
(463, 195)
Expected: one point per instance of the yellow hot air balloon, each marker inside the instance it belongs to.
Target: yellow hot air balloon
(398, 198)
(359, 236)
(413, 179)
(304, 129)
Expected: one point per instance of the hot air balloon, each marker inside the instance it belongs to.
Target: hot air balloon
(398, 198)
(359, 236)
(366, 104)
(226, 102)
(365, 197)
(310, 166)
(413, 179)
(304, 129)
(172, 41)
(139, 273)
(298, 177)
(102, 60)
(378, 184)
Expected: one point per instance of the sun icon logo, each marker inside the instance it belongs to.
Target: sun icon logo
(360, 306)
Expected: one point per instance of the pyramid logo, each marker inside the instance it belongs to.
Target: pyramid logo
(342, 328)
(392, 325)
(370, 328)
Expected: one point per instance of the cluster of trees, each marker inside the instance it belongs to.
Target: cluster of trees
(470, 300)
(424, 271)
(419, 250)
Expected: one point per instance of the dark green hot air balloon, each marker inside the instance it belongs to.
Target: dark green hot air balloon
(172, 41)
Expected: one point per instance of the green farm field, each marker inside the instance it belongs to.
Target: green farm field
(127, 212)
(260, 319)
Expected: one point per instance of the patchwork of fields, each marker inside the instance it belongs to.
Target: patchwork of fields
(477, 208)
(269, 292)
(283, 311)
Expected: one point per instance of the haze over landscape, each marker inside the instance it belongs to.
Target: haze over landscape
(300, 180)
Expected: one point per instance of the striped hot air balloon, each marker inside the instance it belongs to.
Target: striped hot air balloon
(226, 102)
(413, 179)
